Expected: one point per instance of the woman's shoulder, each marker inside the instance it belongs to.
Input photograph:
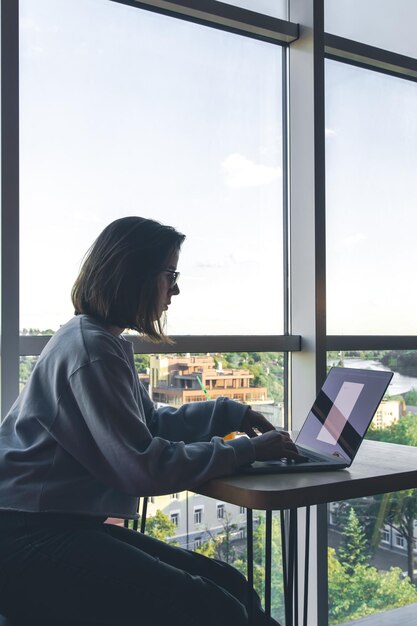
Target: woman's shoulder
(87, 339)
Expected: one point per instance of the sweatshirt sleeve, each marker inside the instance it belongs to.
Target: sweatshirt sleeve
(100, 423)
(194, 421)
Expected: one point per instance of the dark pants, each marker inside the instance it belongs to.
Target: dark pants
(62, 571)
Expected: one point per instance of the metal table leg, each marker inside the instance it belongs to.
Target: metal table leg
(268, 561)
(249, 544)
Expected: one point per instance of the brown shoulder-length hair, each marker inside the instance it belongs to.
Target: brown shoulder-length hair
(118, 280)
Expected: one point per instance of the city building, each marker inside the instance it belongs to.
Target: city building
(198, 519)
(388, 412)
(176, 380)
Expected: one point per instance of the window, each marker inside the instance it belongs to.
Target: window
(197, 542)
(220, 511)
(180, 86)
(370, 168)
(382, 23)
(198, 515)
(202, 112)
(385, 536)
(242, 510)
(259, 376)
(175, 517)
(399, 541)
(174, 496)
(394, 418)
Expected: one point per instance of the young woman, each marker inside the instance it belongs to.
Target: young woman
(84, 440)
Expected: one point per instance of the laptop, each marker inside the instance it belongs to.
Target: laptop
(337, 423)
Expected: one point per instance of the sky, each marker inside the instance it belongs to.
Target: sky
(127, 112)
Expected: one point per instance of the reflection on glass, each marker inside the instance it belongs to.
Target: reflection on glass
(371, 160)
(124, 111)
(386, 24)
(395, 420)
(371, 540)
(255, 378)
(371, 557)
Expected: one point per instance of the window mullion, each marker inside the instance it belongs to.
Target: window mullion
(9, 372)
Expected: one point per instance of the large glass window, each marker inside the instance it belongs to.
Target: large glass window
(371, 559)
(389, 24)
(371, 160)
(395, 420)
(125, 111)
(372, 540)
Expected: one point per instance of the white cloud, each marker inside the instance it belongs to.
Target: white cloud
(353, 240)
(329, 132)
(242, 172)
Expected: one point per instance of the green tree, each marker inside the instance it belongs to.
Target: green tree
(27, 363)
(399, 510)
(403, 431)
(208, 548)
(277, 588)
(365, 590)
(353, 550)
(222, 543)
(142, 362)
(160, 526)
(226, 548)
(403, 361)
(410, 397)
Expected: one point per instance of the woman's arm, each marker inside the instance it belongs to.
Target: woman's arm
(195, 421)
(100, 423)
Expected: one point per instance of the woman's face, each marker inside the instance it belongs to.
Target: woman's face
(168, 286)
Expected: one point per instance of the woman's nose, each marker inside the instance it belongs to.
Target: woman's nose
(175, 290)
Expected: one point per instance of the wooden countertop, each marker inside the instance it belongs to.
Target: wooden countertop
(377, 468)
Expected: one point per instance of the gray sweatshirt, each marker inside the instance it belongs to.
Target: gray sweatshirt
(84, 436)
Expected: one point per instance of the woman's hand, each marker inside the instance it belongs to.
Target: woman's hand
(274, 445)
(271, 444)
(254, 423)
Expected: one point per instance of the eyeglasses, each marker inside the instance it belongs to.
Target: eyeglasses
(174, 275)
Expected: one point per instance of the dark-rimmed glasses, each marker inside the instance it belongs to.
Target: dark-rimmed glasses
(174, 276)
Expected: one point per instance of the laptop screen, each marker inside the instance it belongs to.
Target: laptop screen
(343, 410)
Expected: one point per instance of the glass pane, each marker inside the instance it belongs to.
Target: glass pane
(389, 24)
(254, 378)
(217, 529)
(124, 112)
(274, 8)
(370, 569)
(369, 537)
(395, 420)
(371, 160)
